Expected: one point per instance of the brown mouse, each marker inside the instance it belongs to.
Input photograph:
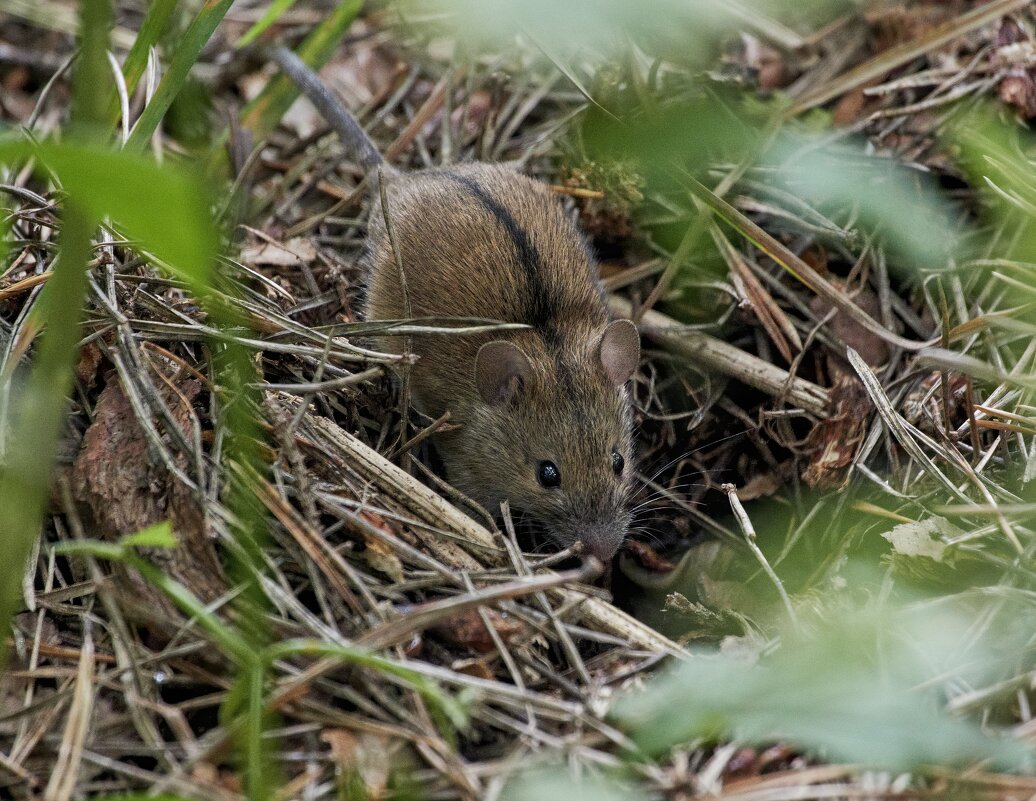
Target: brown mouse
(544, 412)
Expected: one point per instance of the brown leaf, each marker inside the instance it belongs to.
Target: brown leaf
(855, 105)
(122, 488)
(1014, 55)
(647, 557)
(762, 485)
(872, 348)
(468, 630)
(90, 357)
(378, 554)
(834, 441)
(474, 113)
(366, 756)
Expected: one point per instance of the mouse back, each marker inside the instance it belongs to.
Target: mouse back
(484, 241)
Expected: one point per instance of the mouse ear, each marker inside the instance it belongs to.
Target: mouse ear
(620, 350)
(502, 370)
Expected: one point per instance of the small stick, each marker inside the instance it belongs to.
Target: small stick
(749, 531)
(404, 394)
(421, 435)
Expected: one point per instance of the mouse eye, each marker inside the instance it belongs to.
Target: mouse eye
(548, 474)
(617, 462)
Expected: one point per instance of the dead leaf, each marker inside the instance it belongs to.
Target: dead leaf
(378, 554)
(90, 357)
(849, 333)
(292, 253)
(762, 485)
(1015, 55)
(835, 440)
(366, 756)
(123, 488)
(922, 538)
(469, 631)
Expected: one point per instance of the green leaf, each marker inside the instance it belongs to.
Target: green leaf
(860, 690)
(539, 785)
(186, 54)
(151, 29)
(108, 551)
(160, 535)
(165, 208)
(273, 13)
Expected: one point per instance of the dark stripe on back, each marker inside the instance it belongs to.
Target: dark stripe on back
(541, 303)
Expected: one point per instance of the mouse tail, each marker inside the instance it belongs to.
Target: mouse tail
(331, 109)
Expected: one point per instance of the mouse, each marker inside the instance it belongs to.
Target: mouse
(543, 413)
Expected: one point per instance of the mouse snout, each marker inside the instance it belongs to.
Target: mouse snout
(602, 540)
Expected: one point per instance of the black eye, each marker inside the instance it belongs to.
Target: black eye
(617, 462)
(548, 474)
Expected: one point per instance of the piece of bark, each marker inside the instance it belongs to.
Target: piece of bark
(121, 488)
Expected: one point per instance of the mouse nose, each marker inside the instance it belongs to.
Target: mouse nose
(602, 540)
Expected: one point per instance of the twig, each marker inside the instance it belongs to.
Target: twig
(749, 531)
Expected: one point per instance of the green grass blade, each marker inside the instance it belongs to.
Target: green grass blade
(151, 29)
(40, 405)
(262, 114)
(273, 13)
(194, 39)
(164, 208)
(40, 408)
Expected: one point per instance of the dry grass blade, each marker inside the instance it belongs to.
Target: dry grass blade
(453, 536)
(776, 323)
(901, 54)
(412, 620)
(897, 425)
(715, 354)
(796, 266)
(65, 776)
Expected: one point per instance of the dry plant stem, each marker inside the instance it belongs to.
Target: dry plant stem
(404, 394)
(798, 268)
(421, 435)
(749, 531)
(715, 354)
(65, 775)
(416, 618)
(901, 54)
(439, 515)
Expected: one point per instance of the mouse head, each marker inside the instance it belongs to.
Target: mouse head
(550, 433)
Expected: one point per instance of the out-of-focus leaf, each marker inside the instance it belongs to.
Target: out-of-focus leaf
(165, 209)
(273, 13)
(855, 691)
(545, 784)
(903, 206)
(159, 535)
(673, 27)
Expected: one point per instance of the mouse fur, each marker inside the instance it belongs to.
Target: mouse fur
(483, 240)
